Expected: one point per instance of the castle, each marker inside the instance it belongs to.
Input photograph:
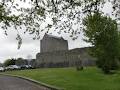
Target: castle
(51, 43)
(55, 53)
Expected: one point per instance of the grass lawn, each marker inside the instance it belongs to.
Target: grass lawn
(68, 78)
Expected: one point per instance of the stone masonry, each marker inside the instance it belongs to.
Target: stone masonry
(55, 53)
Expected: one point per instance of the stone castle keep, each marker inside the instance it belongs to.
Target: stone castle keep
(55, 53)
(51, 43)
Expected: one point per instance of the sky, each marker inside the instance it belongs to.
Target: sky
(8, 44)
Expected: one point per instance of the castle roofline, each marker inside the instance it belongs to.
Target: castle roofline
(53, 36)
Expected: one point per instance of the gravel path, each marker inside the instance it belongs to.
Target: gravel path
(14, 83)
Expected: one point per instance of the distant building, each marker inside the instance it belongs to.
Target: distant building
(51, 43)
(55, 53)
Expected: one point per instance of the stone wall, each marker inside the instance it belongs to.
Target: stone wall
(65, 58)
(54, 53)
(51, 43)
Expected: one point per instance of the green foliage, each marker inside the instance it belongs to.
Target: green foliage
(21, 61)
(66, 15)
(1, 64)
(9, 62)
(102, 33)
(90, 78)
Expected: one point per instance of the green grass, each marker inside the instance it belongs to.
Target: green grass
(70, 79)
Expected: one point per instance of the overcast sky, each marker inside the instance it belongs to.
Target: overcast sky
(8, 44)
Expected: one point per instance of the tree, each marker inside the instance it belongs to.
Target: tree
(102, 32)
(65, 15)
(9, 62)
(1, 64)
(21, 61)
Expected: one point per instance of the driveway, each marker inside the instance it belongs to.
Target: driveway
(14, 83)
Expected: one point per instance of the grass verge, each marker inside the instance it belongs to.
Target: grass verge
(68, 78)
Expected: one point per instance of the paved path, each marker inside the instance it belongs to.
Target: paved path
(14, 83)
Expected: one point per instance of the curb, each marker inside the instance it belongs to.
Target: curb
(34, 81)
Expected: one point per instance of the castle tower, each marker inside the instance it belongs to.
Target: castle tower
(51, 43)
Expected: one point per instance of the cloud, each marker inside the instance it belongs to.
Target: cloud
(8, 45)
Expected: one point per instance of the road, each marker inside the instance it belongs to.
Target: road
(14, 83)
